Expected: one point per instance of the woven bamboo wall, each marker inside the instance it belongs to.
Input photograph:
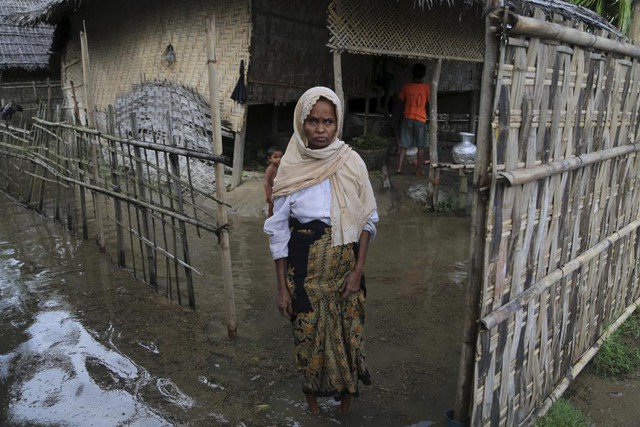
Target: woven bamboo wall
(127, 41)
(562, 241)
(289, 51)
(402, 28)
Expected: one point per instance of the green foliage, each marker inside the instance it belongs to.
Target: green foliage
(445, 207)
(563, 414)
(369, 142)
(619, 356)
(618, 12)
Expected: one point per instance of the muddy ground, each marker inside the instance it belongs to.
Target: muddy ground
(83, 343)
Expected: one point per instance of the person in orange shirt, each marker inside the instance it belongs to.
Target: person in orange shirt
(415, 96)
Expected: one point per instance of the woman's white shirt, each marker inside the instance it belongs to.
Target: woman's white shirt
(305, 205)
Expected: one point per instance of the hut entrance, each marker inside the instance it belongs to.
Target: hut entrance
(376, 43)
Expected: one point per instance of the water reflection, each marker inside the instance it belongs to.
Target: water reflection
(61, 373)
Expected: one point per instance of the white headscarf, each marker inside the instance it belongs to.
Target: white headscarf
(352, 201)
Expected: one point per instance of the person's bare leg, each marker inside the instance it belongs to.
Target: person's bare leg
(420, 156)
(345, 404)
(312, 401)
(403, 152)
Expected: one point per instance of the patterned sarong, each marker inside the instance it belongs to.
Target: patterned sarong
(328, 331)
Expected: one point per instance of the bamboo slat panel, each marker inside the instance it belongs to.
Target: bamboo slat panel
(146, 186)
(562, 231)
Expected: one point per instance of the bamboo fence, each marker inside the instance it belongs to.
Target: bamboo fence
(145, 187)
(557, 239)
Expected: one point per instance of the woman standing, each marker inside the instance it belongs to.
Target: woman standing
(323, 219)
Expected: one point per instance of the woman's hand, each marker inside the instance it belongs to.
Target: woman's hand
(284, 303)
(351, 284)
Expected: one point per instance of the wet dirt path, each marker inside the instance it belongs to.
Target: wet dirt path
(82, 343)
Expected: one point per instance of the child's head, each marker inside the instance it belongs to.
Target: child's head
(274, 154)
(418, 71)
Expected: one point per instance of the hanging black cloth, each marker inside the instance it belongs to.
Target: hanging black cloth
(239, 93)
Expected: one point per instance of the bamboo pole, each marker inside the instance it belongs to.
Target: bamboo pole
(408, 54)
(146, 229)
(238, 148)
(98, 202)
(49, 99)
(175, 170)
(501, 314)
(115, 181)
(535, 173)
(337, 76)
(434, 174)
(481, 180)
(136, 143)
(532, 27)
(232, 329)
(171, 183)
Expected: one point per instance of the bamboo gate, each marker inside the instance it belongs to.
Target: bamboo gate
(555, 224)
(142, 185)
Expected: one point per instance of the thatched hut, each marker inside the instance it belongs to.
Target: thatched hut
(27, 68)
(150, 52)
(23, 49)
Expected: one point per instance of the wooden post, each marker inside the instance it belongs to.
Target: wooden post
(461, 409)
(98, 203)
(366, 105)
(462, 190)
(238, 148)
(473, 111)
(337, 76)
(434, 174)
(86, 73)
(232, 328)
(35, 92)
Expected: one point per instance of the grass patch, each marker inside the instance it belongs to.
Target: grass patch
(563, 414)
(619, 356)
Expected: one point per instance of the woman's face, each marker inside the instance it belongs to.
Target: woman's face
(321, 124)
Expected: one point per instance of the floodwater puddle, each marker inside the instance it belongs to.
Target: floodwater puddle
(68, 368)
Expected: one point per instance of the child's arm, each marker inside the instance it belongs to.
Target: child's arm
(268, 182)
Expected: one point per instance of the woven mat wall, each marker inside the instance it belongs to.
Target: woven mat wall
(402, 29)
(127, 41)
(289, 51)
(561, 248)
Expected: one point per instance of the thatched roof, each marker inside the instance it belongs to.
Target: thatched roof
(50, 11)
(47, 11)
(566, 10)
(23, 47)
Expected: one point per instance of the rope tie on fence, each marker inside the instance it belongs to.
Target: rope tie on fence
(220, 229)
